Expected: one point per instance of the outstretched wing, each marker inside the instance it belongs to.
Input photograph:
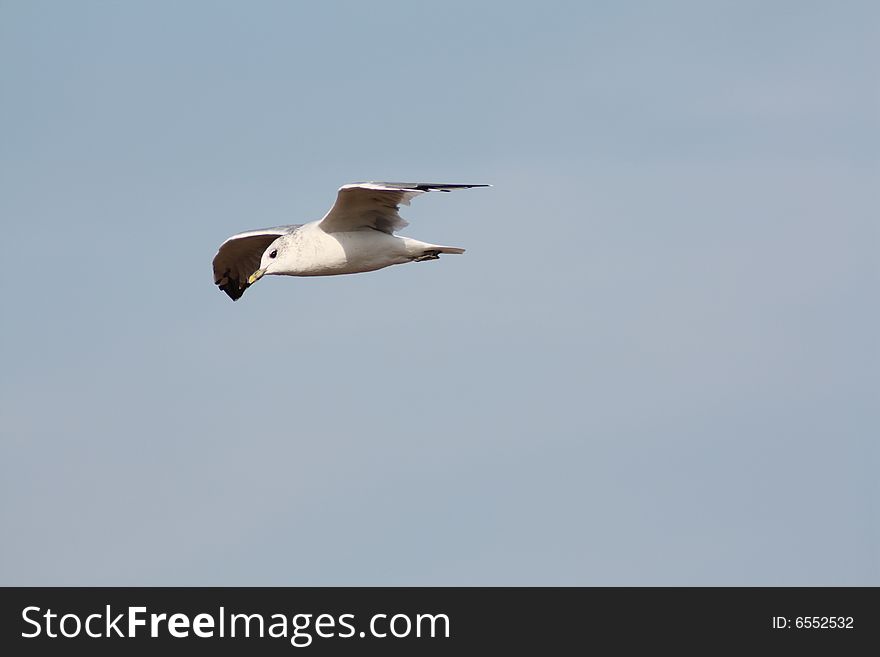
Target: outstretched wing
(239, 257)
(374, 205)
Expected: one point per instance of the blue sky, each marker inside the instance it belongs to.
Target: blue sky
(656, 364)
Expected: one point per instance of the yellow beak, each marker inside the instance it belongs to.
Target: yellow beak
(257, 275)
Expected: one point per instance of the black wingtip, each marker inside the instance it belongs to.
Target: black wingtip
(233, 287)
(428, 187)
(234, 291)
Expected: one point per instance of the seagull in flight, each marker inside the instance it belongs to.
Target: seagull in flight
(356, 235)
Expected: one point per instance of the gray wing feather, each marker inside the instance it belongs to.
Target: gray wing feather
(374, 205)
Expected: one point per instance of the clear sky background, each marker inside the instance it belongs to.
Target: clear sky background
(656, 364)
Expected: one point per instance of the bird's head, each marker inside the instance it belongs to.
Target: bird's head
(273, 254)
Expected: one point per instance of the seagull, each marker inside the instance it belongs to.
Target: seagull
(356, 235)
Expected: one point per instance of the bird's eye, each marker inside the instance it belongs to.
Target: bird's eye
(274, 253)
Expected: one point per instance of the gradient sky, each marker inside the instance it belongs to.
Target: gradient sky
(656, 364)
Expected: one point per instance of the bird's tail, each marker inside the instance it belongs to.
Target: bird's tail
(425, 251)
(447, 249)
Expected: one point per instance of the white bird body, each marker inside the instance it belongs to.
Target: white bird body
(356, 235)
(313, 252)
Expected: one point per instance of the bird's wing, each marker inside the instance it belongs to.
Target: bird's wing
(374, 205)
(239, 257)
